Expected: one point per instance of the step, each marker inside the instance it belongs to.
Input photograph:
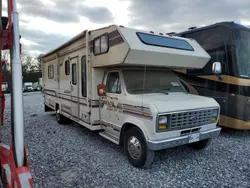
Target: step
(110, 137)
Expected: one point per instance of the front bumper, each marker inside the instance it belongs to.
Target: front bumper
(169, 143)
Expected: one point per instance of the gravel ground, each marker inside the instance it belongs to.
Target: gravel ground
(72, 156)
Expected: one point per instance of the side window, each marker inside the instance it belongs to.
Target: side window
(113, 83)
(212, 41)
(50, 71)
(67, 67)
(84, 76)
(101, 44)
(74, 74)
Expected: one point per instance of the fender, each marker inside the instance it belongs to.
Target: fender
(140, 124)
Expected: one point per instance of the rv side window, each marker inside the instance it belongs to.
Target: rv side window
(84, 77)
(74, 76)
(101, 45)
(50, 71)
(113, 83)
(97, 46)
(67, 67)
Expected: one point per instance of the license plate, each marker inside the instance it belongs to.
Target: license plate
(194, 137)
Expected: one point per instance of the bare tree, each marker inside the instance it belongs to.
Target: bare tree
(39, 59)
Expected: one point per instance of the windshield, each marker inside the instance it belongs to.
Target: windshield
(242, 43)
(156, 81)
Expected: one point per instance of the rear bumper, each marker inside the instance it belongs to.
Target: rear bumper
(169, 143)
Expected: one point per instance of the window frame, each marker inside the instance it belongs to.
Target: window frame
(99, 38)
(84, 77)
(72, 75)
(119, 82)
(49, 67)
(67, 67)
(163, 46)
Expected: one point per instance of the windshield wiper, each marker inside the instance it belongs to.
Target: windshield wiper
(141, 89)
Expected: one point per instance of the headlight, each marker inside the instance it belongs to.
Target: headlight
(214, 115)
(162, 122)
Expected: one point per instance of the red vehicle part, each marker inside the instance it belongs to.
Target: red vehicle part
(14, 166)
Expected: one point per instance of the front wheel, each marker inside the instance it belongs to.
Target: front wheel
(136, 149)
(200, 144)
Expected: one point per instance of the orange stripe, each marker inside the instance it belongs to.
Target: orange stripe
(229, 80)
(226, 79)
(226, 121)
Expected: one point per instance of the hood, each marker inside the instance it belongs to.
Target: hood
(180, 101)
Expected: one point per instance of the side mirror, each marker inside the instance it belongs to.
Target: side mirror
(101, 90)
(216, 69)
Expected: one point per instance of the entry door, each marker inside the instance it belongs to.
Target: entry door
(74, 88)
(110, 114)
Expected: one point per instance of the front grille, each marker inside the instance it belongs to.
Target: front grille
(191, 119)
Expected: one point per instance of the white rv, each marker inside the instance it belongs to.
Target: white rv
(117, 80)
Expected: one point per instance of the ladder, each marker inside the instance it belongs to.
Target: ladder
(14, 165)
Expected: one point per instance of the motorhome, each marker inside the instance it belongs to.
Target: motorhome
(229, 43)
(117, 81)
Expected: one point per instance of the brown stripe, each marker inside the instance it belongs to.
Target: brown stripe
(114, 34)
(116, 41)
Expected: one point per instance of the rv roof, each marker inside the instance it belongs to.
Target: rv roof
(146, 48)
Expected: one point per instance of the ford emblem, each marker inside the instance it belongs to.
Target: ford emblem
(193, 118)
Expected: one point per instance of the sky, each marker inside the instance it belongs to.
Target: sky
(46, 24)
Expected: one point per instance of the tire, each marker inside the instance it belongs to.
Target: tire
(59, 117)
(143, 157)
(200, 144)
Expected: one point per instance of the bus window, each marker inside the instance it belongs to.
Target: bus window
(242, 46)
(212, 41)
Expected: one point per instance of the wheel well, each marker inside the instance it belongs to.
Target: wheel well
(125, 128)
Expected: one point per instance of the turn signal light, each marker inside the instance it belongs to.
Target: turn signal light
(214, 118)
(162, 126)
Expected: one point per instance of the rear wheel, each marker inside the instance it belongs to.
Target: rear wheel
(200, 144)
(136, 149)
(59, 117)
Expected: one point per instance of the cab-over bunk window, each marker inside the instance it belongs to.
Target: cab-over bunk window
(163, 41)
(101, 45)
(51, 71)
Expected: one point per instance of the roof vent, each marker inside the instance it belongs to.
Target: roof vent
(190, 28)
(171, 33)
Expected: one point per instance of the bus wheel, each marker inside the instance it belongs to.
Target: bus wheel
(200, 144)
(136, 149)
(59, 117)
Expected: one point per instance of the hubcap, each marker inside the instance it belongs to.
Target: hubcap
(134, 147)
(58, 114)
